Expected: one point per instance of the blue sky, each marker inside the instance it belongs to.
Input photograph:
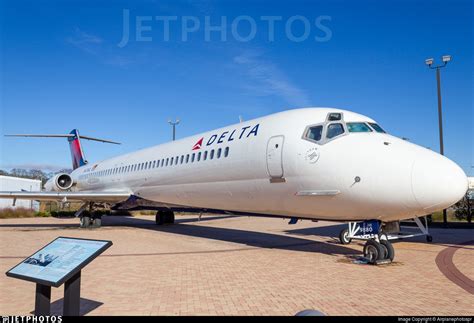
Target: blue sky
(62, 68)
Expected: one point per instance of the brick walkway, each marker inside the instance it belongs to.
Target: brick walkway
(239, 266)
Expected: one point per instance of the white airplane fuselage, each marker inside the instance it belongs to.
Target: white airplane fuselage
(272, 168)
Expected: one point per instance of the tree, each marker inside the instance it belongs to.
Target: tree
(464, 209)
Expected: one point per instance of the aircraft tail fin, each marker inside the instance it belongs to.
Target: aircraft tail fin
(74, 139)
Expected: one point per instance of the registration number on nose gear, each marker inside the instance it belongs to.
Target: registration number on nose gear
(368, 227)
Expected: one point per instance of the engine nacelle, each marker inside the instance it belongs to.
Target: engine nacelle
(60, 182)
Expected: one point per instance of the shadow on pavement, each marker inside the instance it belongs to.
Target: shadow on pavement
(250, 238)
(87, 306)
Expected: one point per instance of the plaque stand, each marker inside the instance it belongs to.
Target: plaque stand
(78, 254)
(71, 301)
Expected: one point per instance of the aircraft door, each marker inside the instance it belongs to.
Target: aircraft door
(275, 156)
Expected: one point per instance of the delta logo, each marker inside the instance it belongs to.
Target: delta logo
(228, 136)
(198, 144)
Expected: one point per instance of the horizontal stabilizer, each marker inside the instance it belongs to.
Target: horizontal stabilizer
(63, 136)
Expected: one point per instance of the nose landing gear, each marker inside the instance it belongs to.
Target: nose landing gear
(378, 248)
(378, 252)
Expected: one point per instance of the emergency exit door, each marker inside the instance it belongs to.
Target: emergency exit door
(275, 156)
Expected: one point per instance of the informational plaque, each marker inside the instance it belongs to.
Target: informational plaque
(58, 261)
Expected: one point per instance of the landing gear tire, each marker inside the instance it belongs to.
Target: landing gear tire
(164, 217)
(97, 222)
(160, 218)
(373, 251)
(389, 251)
(429, 238)
(85, 221)
(344, 237)
(169, 217)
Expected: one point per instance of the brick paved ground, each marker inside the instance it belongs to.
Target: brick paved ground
(239, 266)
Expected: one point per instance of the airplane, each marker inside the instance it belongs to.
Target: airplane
(310, 163)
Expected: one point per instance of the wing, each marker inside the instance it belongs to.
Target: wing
(85, 196)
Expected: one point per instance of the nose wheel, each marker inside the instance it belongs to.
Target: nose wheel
(389, 251)
(375, 251)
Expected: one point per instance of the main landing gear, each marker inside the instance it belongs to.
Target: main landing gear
(91, 220)
(90, 215)
(164, 217)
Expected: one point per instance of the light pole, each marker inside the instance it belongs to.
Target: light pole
(173, 124)
(429, 62)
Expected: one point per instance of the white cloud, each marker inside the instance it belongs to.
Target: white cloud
(268, 79)
(84, 41)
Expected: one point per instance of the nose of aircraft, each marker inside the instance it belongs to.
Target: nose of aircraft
(437, 182)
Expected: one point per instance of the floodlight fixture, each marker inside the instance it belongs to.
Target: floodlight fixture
(446, 58)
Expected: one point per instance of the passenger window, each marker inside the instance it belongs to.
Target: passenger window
(192, 157)
(226, 152)
(377, 127)
(167, 160)
(176, 160)
(187, 158)
(334, 130)
(315, 133)
(199, 156)
(205, 155)
(182, 159)
(358, 127)
(219, 152)
(172, 159)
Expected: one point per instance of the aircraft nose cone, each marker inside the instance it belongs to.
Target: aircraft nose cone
(437, 182)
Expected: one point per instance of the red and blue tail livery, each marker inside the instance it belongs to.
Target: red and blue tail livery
(77, 154)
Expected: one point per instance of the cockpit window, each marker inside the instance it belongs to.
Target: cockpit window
(376, 127)
(358, 127)
(334, 130)
(315, 133)
(334, 116)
